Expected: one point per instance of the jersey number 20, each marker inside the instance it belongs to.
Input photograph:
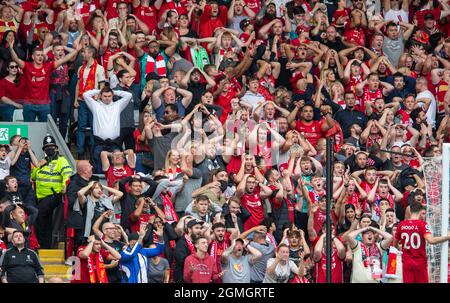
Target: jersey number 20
(414, 241)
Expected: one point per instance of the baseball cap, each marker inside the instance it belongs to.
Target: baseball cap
(152, 76)
(244, 23)
(194, 222)
(428, 16)
(240, 240)
(133, 237)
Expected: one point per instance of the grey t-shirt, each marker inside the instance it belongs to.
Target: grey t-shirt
(393, 49)
(161, 146)
(282, 272)
(258, 270)
(156, 272)
(184, 198)
(127, 115)
(238, 270)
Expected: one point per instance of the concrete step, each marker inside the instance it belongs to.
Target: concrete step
(51, 253)
(50, 269)
(52, 260)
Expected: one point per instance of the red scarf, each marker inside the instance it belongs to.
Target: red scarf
(215, 249)
(160, 64)
(169, 210)
(297, 279)
(271, 239)
(96, 267)
(90, 81)
(366, 254)
(171, 173)
(190, 244)
(391, 269)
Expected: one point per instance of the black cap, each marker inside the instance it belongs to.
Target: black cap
(241, 240)
(194, 222)
(152, 76)
(428, 16)
(244, 23)
(133, 237)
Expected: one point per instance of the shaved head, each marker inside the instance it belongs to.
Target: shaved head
(84, 169)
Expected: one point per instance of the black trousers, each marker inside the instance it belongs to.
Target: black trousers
(44, 222)
(126, 138)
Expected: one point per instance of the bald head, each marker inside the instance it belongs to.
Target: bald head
(84, 169)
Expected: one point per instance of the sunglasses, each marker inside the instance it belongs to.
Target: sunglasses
(166, 112)
(13, 66)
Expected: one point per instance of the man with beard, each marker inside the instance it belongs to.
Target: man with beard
(312, 129)
(350, 115)
(238, 265)
(368, 254)
(154, 60)
(252, 194)
(113, 43)
(355, 135)
(266, 14)
(195, 83)
(185, 247)
(403, 86)
(221, 240)
(332, 40)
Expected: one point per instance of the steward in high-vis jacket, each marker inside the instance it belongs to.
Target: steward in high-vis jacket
(50, 177)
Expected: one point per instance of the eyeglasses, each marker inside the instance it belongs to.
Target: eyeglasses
(13, 66)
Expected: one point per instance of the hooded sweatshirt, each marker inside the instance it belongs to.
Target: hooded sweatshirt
(205, 269)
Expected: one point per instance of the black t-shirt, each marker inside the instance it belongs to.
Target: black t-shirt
(21, 169)
(388, 165)
(14, 197)
(197, 89)
(337, 45)
(114, 274)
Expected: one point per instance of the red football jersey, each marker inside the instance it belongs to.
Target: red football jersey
(253, 203)
(411, 234)
(312, 132)
(336, 268)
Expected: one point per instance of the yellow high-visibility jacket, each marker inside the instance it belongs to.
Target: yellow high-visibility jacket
(51, 178)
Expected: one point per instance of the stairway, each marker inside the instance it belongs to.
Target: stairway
(53, 262)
